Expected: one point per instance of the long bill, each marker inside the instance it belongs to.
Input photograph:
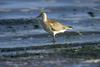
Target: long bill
(39, 16)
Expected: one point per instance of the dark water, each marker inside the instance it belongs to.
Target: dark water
(82, 15)
(49, 63)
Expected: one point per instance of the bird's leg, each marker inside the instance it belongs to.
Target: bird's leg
(54, 40)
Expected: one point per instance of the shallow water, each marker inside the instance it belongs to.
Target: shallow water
(22, 34)
(69, 12)
(55, 9)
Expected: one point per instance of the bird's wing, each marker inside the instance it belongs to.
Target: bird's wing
(55, 25)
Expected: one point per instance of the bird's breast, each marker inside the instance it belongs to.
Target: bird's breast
(46, 27)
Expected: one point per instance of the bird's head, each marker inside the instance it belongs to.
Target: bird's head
(43, 15)
(42, 11)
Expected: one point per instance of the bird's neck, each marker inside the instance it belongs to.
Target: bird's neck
(45, 18)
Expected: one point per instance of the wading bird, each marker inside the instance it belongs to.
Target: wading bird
(53, 27)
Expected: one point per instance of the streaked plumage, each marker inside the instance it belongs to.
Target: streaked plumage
(52, 26)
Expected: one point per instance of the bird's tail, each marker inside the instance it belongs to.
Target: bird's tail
(68, 27)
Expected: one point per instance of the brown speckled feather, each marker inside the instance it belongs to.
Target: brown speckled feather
(55, 26)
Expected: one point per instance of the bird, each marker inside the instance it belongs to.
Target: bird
(53, 27)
